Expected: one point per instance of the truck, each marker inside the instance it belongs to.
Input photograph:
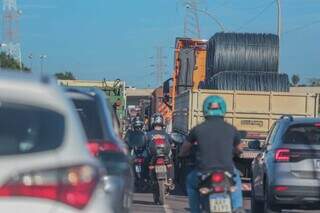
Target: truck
(251, 112)
(115, 90)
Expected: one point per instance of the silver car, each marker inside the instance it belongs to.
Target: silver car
(286, 175)
(45, 166)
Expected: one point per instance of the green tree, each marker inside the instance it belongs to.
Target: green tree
(295, 79)
(315, 82)
(7, 62)
(65, 76)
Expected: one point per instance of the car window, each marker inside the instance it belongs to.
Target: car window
(28, 129)
(88, 111)
(115, 120)
(302, 134)
(272, 133)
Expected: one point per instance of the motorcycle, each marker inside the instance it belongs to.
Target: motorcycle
(216, 188)
(138, 165)
(159, 173)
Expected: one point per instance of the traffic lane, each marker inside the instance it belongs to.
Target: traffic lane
(143, 202)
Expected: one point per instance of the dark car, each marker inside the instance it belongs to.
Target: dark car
(286, 174)
(102, 130)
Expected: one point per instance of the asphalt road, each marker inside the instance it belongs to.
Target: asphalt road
(143, 203)
(176, 203)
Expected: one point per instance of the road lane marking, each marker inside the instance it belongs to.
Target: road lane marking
(167, 209)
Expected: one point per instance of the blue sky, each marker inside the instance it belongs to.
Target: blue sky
(117, 38)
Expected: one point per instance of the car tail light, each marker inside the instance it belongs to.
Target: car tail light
(73, 186)
(281, 188)
(160, 161)
(95, 147)
(282, 155)
(217, 177)
(160, 142)
(317, 125)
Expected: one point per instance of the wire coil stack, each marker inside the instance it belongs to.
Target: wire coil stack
(244, 61)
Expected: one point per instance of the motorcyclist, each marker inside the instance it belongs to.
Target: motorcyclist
(158, 131)
(136, 140)
(135, 137)
(216, 141)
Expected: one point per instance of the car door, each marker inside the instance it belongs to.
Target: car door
(261, 161)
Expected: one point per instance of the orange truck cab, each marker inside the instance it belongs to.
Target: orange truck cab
(189, 68)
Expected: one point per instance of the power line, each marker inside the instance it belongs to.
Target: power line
(302, 27)
(227, 6)
(256, 16)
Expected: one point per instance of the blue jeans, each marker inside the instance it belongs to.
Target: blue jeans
(194, 195)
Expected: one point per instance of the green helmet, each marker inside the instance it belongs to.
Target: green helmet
(214, 106)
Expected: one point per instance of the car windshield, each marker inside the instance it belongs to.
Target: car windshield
(88, 111)
(28, 129)
(303, 134)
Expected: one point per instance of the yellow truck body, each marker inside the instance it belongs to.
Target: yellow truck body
(249, 111)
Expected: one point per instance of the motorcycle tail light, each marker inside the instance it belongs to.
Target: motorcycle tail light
(217, 177)
(160, 161)
(139, 160)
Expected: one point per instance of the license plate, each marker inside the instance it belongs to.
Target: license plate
(138, 169)
(220, 203)
(161, 169)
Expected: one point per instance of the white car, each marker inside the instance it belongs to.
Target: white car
(45, 165)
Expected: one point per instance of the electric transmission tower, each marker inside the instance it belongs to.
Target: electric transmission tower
(11, 43)
(191, 19)
(160, 65)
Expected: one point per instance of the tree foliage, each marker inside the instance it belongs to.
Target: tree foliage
(65, 76)
(295, 79)
(315, 82)
(7, 62)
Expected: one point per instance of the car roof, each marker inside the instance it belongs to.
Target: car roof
(85, 92)
(31, 89)
(299, 120)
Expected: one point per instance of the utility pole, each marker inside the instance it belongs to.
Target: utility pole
(279, 19)
(11, 15)
(191, 19)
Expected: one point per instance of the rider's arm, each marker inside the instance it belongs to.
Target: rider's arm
(238, 145)
(187, 145)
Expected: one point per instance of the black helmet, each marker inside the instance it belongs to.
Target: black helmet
(157, 120)
(137, 123)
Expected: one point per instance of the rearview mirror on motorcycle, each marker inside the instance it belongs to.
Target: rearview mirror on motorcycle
(177, 138)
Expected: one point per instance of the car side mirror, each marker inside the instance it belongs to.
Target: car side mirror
(166, 87)
(256, 145)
